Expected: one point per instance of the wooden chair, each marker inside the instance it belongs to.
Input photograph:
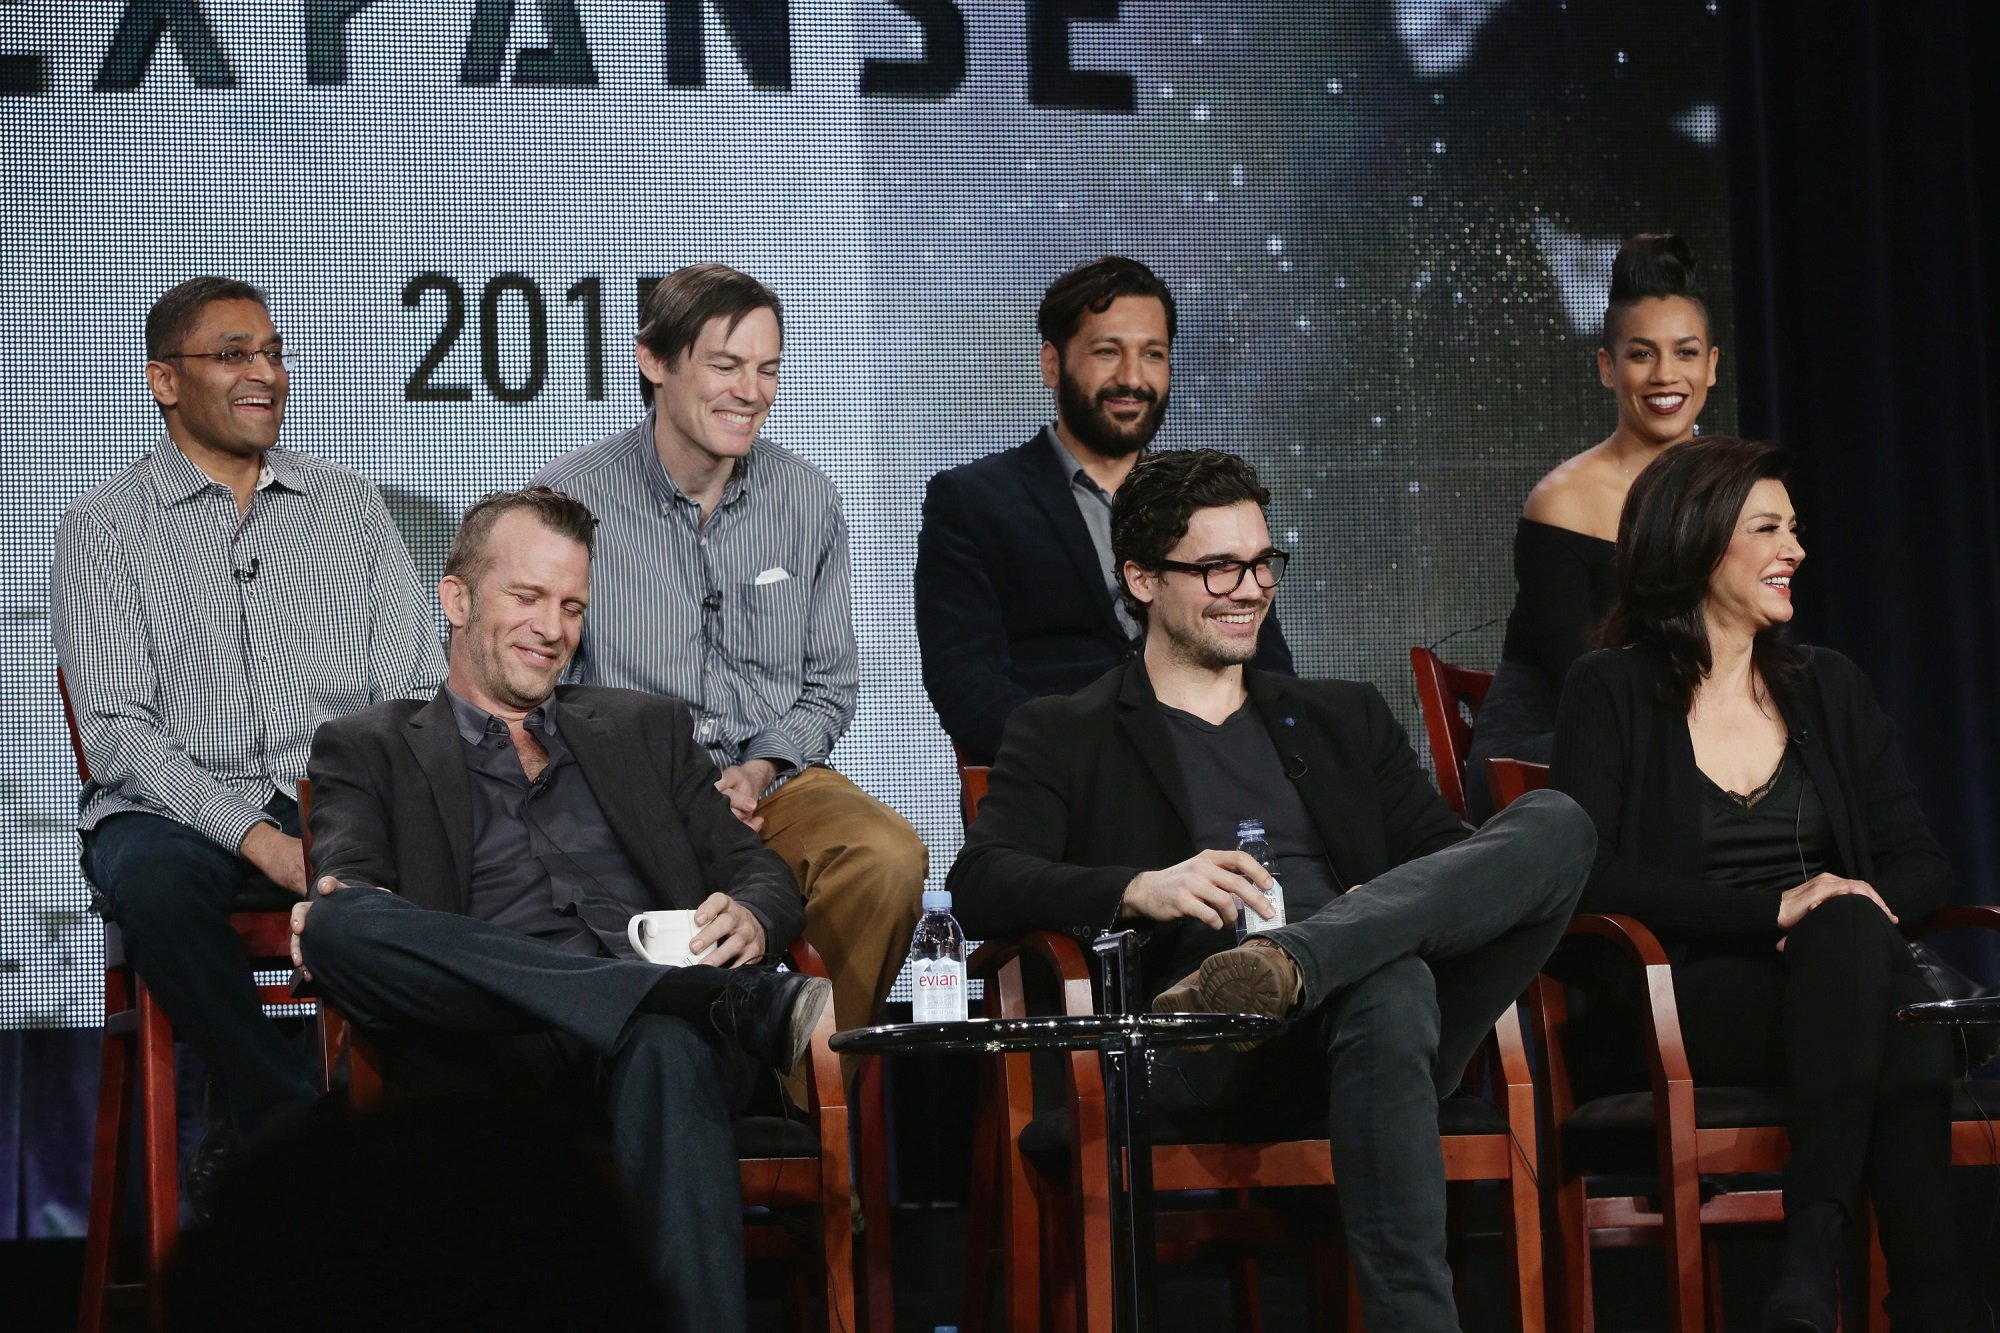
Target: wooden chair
(1450, 697)
(1055, 1210)
(786, 1164)
(1678, 1132)
(971, 784)
(136, 1091)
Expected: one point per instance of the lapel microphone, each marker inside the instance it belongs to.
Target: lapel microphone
(1295, 766)
(247, 575)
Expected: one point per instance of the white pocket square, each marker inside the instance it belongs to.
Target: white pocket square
(775, 574)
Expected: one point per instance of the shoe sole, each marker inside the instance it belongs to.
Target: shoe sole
(1236, 982)
(812, 1002)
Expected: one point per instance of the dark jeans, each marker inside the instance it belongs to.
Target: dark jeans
(1404, 976)
(1869, 1101)
(424, 981)
(170, 890)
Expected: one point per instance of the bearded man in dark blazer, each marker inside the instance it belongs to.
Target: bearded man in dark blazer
(1014, 590)
(1407, 937)
(480, 858)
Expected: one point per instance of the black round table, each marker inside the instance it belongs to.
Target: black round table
(1981, 1011)
(1121, 1041)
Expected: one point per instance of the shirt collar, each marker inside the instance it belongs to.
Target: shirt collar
(663, 484)
(475, 724)
(177, 478)
(1067, 461)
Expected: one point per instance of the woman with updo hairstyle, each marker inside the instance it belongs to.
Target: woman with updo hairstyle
(1658, 362)
(1752, 811)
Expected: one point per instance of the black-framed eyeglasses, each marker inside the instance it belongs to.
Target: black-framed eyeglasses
(235, 358)
(1222, 577)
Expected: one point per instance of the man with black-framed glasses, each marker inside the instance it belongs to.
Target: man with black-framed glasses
(1406, 934)
(212, 604)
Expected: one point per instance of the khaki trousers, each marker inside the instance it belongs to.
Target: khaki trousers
(861, 867)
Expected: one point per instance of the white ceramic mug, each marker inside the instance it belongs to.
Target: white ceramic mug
(663, 937)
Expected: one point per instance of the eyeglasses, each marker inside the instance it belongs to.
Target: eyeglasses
(1222, 577)
(236, 358)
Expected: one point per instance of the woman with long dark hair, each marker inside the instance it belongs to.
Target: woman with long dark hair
(1659, 363)
(1752, 810)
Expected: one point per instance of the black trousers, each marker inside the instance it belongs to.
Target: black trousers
(438, 986)
(1869, 1100)
(170, 889)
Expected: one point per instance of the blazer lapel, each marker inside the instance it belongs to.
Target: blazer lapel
(1042, 473)
(1139, 718)
(629, 804)
(433, 736)
(1315, 767)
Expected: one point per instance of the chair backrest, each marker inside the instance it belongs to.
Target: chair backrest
(1509, 778)
(75, 736)
(971, 784)
(1450, 697)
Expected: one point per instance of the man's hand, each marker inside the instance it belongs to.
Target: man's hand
(727, 934)
(1794, 903)
(1207, 887)
(327, 884)
(745, 784)
(278, 854)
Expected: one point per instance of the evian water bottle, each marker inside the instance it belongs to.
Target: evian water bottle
(937, 962)
(1250, 839)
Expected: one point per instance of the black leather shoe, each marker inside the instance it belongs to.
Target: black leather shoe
(770, 1014)
(212, 1158)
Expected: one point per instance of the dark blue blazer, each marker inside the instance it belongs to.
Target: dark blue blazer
(1010, 601)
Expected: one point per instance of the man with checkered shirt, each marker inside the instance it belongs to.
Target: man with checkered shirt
(212, 604)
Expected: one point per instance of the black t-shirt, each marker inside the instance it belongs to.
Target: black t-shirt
(1234, 772)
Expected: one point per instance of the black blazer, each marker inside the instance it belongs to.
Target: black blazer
(1010, 601)
(392, 805)
(1087, 793)
(1627, 758)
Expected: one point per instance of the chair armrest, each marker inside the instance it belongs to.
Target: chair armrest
(1947, 917)
(825, 1090)
(1666, 1052)
(1055, 951)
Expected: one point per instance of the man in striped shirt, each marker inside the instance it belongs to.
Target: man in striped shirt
(212, 604)
(722, 578)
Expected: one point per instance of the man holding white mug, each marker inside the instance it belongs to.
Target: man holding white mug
(519, 829)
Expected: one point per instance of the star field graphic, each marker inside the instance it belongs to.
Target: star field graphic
(1387, 226)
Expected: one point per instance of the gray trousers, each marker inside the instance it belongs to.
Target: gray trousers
(1404, 976)
(439, 984)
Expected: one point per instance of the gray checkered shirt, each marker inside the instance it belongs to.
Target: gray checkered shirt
(198, 689)
(747, 620)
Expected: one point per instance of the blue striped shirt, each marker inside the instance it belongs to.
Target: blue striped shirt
(202, 648)
(747, 620)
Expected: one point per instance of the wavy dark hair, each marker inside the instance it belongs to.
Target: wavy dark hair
(1677, 524)
(1651, 265)
(1092, 288)
(1152, 509)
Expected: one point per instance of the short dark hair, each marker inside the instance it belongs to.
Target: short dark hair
(1678, 521)
(1093, 287)
(558, 513)
(681, 304)
(1152, 508)
(179, 309)
(1651, 265)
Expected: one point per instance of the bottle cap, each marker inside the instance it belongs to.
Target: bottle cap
(937, 900)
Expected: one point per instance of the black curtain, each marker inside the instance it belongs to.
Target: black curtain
(1864, 145)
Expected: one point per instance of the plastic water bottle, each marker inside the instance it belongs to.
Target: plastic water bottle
(937, 962)
(1250, 838)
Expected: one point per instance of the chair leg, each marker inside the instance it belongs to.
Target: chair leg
(1574, 1313)
(159, 1153)
(1246, 1295)
(107, 1159)
(1524, 1244)
(871, 1104)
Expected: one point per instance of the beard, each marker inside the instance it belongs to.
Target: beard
(1087, 419)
